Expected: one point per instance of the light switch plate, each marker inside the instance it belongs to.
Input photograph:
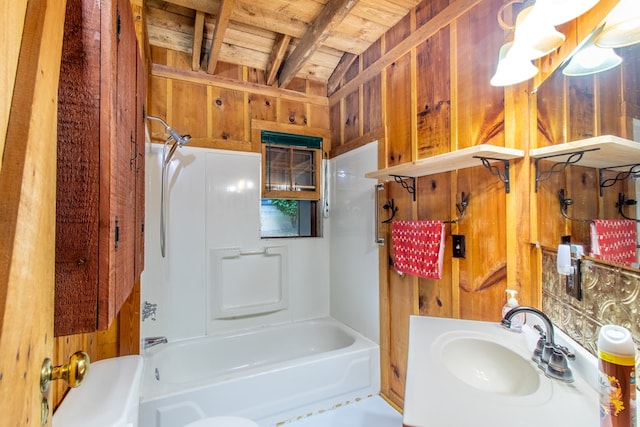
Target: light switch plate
(459, 249)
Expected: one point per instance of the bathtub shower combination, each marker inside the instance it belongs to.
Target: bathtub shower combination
(247, 319)
(271, 375)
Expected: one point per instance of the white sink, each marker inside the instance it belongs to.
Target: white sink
(488, 366)
(466, 373)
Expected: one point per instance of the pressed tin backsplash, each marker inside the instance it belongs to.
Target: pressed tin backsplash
(609, 296)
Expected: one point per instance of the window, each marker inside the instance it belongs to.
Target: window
(291, 166)
(289, 218)
(291, 185)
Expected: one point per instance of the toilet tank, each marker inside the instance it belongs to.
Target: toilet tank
(108, 397)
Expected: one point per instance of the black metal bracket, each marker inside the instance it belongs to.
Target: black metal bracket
(504, 176)
(402, 180)
(390, 205)
(622, 202)
(564, 203)
(621, 176)
(461, 207)
(559, 166)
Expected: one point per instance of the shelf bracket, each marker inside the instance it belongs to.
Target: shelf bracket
(621, 176)
(622, 202)
(504, 176)
(559, 166)
(402, 180)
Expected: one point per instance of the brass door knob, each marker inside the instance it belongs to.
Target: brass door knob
(73, 373)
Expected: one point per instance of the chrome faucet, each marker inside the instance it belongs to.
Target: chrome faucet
(149, 342)
(550, 357)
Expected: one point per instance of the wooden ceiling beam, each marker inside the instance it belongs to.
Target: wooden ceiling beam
(339, 72)
(222, 22)
(207, 6)
(332, 14)
(275, 58)
(198, 36)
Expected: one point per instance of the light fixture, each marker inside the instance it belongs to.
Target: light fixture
(622, 26)
(512, 67)
(535, 36)
(591, 59)
(560, 11)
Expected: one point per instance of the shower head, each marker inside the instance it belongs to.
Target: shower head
(179, 139)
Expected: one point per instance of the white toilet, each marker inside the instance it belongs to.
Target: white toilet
(110, 395)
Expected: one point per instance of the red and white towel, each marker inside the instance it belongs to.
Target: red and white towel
(614, 240)
(418, 247)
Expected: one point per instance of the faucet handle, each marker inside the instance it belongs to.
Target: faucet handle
(538, 328)
(566, 352)
(558, 367)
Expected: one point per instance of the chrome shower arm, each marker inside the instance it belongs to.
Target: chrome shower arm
(179, 139)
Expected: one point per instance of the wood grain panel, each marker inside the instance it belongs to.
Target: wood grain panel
(398, 32)
(33, 32)
(434, 202)
(398, 114)
(227, 114)
(292, 112)
(352, 116)
(609, 103)
(188, 109)
(335, 118)
(372, 54)
(262, 107)
(426, 10)
(480, 106)
(433, 96)
(551, 109)
(583, 189)
(78, 193)
(483, 272)
(403, 302)
(581, 112)
(372, 104)
(318, 117)
(551, 224)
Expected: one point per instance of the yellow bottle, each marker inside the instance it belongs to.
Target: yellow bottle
(617, 377)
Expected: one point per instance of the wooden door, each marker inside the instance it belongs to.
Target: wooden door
(27, 202)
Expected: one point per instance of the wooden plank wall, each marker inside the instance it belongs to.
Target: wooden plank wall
(423, 90)
(431, 99)
(226, 109)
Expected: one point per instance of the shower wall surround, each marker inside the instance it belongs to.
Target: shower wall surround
(610, 295)
(214, 207)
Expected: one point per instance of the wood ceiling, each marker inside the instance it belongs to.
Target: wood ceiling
(311, 39)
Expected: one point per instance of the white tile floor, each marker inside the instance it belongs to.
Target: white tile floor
(370, 412)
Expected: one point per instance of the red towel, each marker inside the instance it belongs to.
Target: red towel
(614, 240)
(418, 247)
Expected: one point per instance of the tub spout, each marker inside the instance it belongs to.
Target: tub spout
(149, 342)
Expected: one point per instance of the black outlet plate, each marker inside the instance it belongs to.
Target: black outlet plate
(459, 249)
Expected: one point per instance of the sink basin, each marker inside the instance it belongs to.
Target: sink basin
(489, 366)
(468, 373)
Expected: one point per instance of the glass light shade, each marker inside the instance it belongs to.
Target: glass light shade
(561, 11)
(622, 26)
(534, 36)
(512, 67)
(591, 59)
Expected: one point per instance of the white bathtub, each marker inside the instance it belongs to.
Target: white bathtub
(270, 375)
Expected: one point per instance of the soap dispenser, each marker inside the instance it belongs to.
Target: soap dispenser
(518, 320)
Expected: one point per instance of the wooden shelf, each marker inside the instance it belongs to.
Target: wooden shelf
(606, 151)
(460, 159)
